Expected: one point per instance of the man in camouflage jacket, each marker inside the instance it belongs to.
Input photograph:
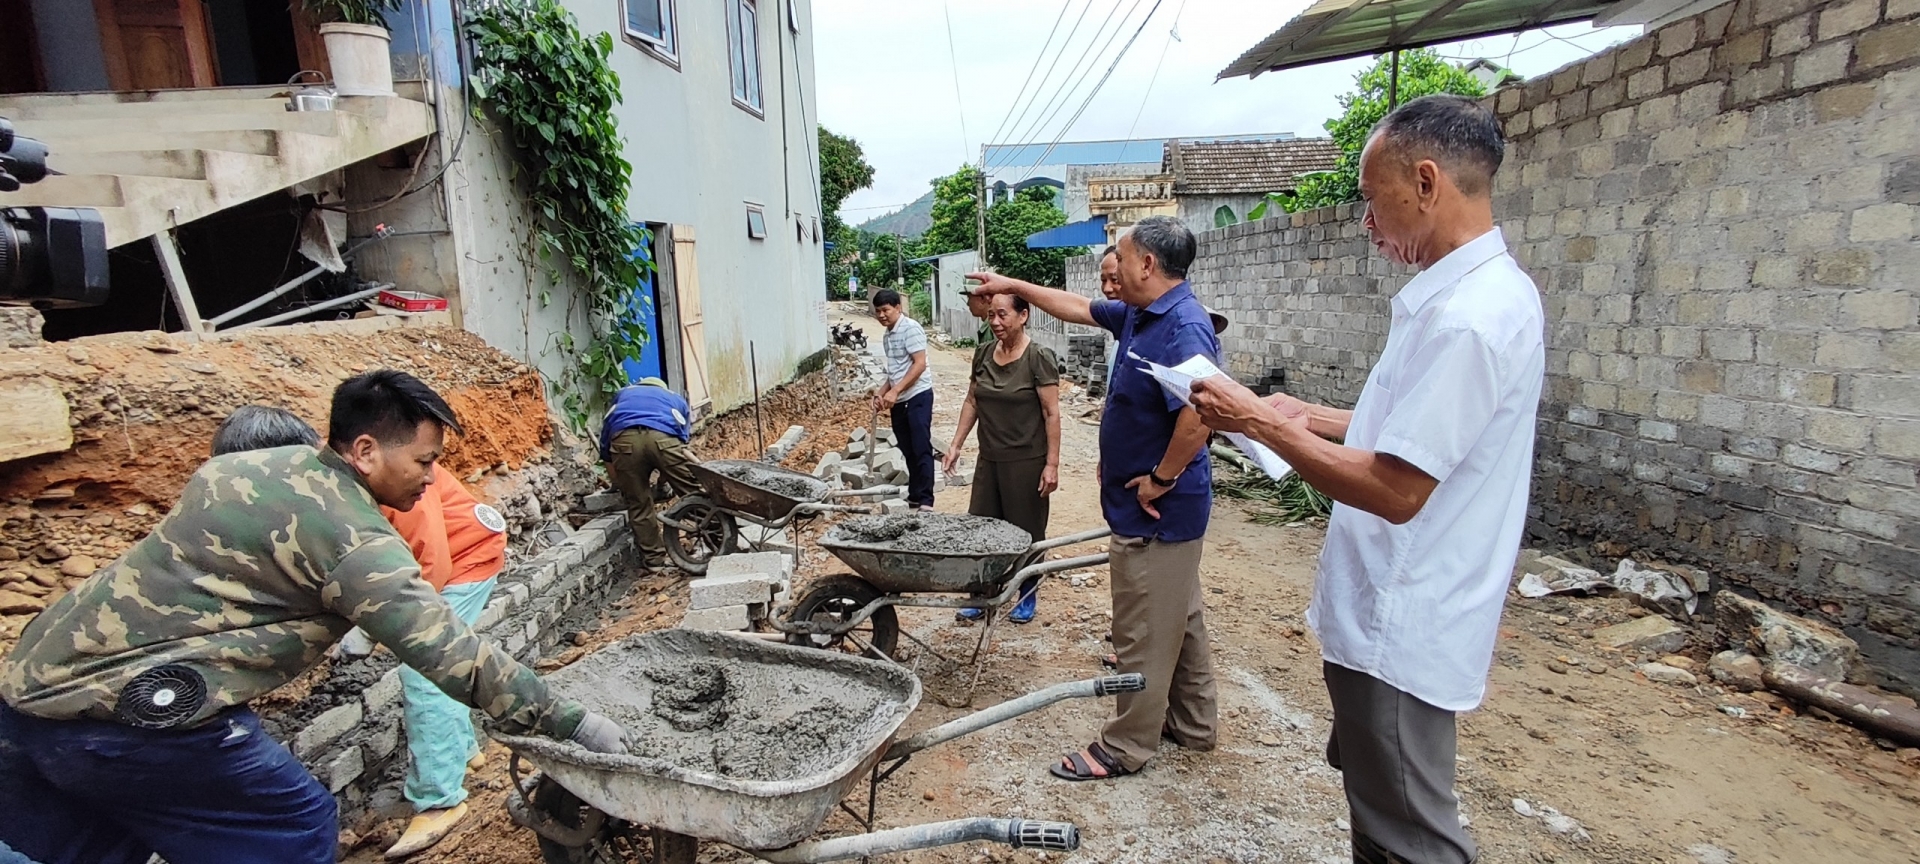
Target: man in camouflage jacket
(124, 730)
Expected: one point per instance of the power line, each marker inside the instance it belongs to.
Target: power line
(1156, 69)
(1071, 93)
(1096, 88)
(1034, 99)
(1022, 92)
(954, 57)
(1065, 82)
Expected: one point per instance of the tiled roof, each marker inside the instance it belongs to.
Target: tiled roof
(1245, 167)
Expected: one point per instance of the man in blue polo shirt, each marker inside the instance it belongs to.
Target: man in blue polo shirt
(646, 431)
(1156, 492)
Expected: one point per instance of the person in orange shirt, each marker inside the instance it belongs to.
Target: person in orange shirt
(461, 545)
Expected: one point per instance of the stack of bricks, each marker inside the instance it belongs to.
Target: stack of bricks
(738, 590)
(848, 468)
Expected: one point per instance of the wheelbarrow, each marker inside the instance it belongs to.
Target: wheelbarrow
(645, 807)
(705, 524)
(855, 612)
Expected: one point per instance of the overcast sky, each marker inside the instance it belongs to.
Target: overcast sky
(886, 78)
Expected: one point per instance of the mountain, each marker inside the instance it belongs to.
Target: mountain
(909, 222)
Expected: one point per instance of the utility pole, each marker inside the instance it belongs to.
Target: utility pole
(980, 220)
(1393, 83)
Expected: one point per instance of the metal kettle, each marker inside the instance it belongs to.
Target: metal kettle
(310, 97)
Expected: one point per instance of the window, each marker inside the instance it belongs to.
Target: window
(743, 52)
(756, 222)
(793, 18)
(650, 23)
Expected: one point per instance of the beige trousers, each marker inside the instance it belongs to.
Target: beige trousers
(1160, 631)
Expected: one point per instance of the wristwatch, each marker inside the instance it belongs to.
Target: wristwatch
(1154, 476)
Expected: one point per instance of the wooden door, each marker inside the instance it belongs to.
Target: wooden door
(693, 339)
(155, 44)
(19, 57)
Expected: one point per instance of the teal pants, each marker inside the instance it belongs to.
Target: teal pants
(440, 730)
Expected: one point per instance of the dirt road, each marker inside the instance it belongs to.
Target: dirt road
(1644, 772)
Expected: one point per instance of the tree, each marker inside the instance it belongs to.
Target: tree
(843, 171)
(1422, 73)
(956, 198)
(1010, 222)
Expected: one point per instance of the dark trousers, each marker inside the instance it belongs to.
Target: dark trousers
(913, 426)
(636, 454)
(1011, 491)
(102, 793)
(1395, 757)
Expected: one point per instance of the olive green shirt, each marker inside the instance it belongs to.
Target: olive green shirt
(268, 559)
(1006, 402)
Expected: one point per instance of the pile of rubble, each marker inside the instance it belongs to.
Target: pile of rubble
(850, 468)
(854, 372)
(738, 590)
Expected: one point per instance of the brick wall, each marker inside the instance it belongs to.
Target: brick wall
(1721, 218)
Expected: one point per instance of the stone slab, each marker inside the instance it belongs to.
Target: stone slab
(322, 731)
(750, 564)
(725, 618)
(731, 591)
(603, 501)
(1652, 633)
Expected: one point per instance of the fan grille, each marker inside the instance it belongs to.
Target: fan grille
(162, 697)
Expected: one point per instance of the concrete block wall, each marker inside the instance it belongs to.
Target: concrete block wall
(1083, 278)
(349, 731)
(1721, 216)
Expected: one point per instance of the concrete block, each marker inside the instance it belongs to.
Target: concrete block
(714, 593)
(383, 741)
(960, 478)
(543, 577)
(495, 612)
(1737, 669)
(893, 506)
(723, 618)
(858, 434)
(322, 731)
(1652, 633)
(750, 564)
(384, 695)
(603, 501)
(345, 768)
(858, 447)
(889, 461)
(829, 467)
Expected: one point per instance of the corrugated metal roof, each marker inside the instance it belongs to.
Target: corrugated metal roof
(1087, 232)
(1340, 29)
(1245, 167)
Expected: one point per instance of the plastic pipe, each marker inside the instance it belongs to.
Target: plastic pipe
(1106, 685)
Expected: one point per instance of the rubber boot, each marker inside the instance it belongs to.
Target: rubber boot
(427, 829)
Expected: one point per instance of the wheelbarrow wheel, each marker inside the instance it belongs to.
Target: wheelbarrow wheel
(834, 600)
(717, 533)
(617, 843)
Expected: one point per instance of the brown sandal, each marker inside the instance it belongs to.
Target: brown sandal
(1075, 768)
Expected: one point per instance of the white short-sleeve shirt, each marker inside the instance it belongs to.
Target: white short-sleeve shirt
(1455, 394)
(904, 339)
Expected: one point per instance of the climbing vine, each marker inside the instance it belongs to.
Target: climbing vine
(553, 90)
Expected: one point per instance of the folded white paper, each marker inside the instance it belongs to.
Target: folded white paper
(1178, 381)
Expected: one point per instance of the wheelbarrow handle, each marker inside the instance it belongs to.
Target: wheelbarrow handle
(883, 491)
(1091, 687)
(1017, 833)
(1071, 539)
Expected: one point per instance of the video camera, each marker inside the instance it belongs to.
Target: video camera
(50, 257)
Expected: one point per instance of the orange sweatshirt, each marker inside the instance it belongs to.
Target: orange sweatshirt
(450, 533)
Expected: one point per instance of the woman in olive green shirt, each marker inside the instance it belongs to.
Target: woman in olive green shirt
(1014, 394)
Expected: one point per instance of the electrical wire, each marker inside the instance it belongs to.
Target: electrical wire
(1034, 98)
(1095, 91)
(1067, 94)
(1022, 92)
(1156, 70)
(1015, 135)
(954, 57)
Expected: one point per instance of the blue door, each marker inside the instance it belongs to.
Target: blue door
(646, 309)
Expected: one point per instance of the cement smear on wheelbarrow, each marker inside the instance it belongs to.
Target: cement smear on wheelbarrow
(745, 721)
(950, 533)
(777, 482)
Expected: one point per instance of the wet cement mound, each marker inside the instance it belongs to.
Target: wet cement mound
(949, 533)
(726, 716)
(782, 483)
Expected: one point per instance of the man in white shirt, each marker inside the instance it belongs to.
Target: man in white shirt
(1431, 482)
(908, 396)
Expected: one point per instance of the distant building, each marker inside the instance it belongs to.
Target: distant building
(1204, 182)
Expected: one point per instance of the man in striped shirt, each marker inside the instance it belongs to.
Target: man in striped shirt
(908, 394)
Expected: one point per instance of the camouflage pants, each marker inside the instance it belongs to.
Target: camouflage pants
(636, 454)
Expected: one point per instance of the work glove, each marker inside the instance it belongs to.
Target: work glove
(599, 734)
(355, 644)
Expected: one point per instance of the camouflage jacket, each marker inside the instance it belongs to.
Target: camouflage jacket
(268, 559)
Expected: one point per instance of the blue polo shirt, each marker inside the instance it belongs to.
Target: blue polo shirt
(1139, 417)
(645, 406)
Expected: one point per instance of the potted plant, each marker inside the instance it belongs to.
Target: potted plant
(357, 43)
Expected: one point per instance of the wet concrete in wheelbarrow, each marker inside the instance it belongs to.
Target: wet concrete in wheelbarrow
(727, 717)
(780, 483)
(948, 533)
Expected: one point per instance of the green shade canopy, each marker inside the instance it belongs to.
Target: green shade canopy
(1340, 29)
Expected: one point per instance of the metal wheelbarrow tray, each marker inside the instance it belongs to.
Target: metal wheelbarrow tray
(750, 814)
(735, 494)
